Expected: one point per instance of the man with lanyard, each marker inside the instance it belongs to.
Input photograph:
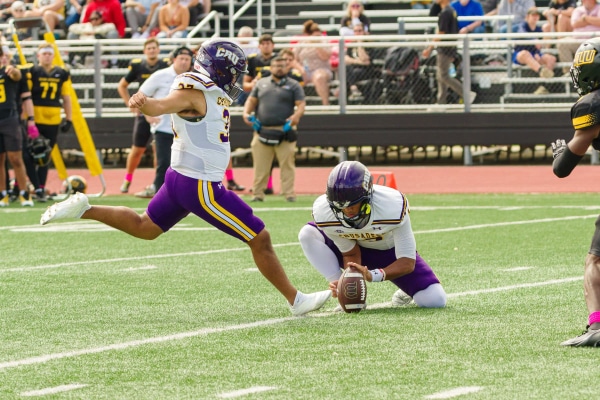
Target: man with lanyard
(279, 104)
(138, 71)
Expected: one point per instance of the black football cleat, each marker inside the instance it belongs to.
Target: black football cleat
(589, 338)
(232, 185)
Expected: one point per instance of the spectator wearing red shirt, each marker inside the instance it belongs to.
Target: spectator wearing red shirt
(111, 12)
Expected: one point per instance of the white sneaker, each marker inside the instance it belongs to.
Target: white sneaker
(401, 299)
(306, 303)
(72, 207)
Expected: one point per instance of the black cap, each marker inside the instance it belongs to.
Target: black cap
(183, 50)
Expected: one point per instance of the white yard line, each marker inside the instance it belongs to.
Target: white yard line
(52, 390)
(245, 392)
(459, 391)
(207, 331)
(196, 253)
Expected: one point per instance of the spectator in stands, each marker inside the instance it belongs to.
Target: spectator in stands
(558, 16)
(96, 28)
(139, 15)
(489, 5)
(17, 10)
(469, 8)
(74, 9)
(516, 8)
(51, 11)
(293, 66)
(258, 63)
(250, 46)
(198, 9)
(317, 69)
(531, 55)
(111, 12)
(138, 71)
(273, 110)
(585, 18)
(358, 65)
(355, 14)
(447, 24)
(173, 20)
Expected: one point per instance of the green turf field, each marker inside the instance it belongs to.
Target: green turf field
(90, 313)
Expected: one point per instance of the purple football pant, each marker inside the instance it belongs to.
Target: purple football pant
(211, 201)
(421, 278)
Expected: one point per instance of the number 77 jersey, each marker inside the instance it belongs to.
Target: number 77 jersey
(47, 89)
(201, 147)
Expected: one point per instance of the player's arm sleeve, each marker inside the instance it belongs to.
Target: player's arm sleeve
(404, 240)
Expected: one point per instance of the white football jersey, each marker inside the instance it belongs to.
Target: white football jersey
(388, 227)
(201, 149)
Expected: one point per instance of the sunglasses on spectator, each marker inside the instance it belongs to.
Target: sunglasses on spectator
(94, 19)
(355, 6)
(19, 10)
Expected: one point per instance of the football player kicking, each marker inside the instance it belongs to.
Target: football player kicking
(585, 115)
(199, 106)
(368, 226)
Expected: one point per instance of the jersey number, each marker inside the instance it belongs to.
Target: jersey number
(227, 119)
(49, 90)
(2, 94)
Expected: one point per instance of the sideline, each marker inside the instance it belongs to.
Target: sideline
(207, 331)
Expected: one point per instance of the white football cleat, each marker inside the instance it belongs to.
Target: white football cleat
(306, 303)
(401, 299)
(71, 208)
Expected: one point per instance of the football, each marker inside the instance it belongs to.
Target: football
(352, 290)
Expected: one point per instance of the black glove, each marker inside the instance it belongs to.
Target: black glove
(66, 126)
(558, 147)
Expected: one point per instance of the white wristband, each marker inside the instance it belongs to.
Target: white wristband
(377, 275)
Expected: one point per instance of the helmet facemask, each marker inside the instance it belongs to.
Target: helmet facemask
(357, 221)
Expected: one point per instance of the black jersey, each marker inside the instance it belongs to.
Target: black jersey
(140, 70)
(586, 111)
(47, 89)
(9, 91)
(256, 64)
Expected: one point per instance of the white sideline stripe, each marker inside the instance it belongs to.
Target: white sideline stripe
(459, 391)
(52, 390)
(145, 267)
(250, 325)
(195, 253)
(517, 269)
(531, 221)
(244, 392)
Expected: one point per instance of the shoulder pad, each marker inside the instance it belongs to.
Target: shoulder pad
(136, 61)
(192, 80)
(586, 111)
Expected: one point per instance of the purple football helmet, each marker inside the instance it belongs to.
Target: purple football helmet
(348, 184)
(224, 62)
